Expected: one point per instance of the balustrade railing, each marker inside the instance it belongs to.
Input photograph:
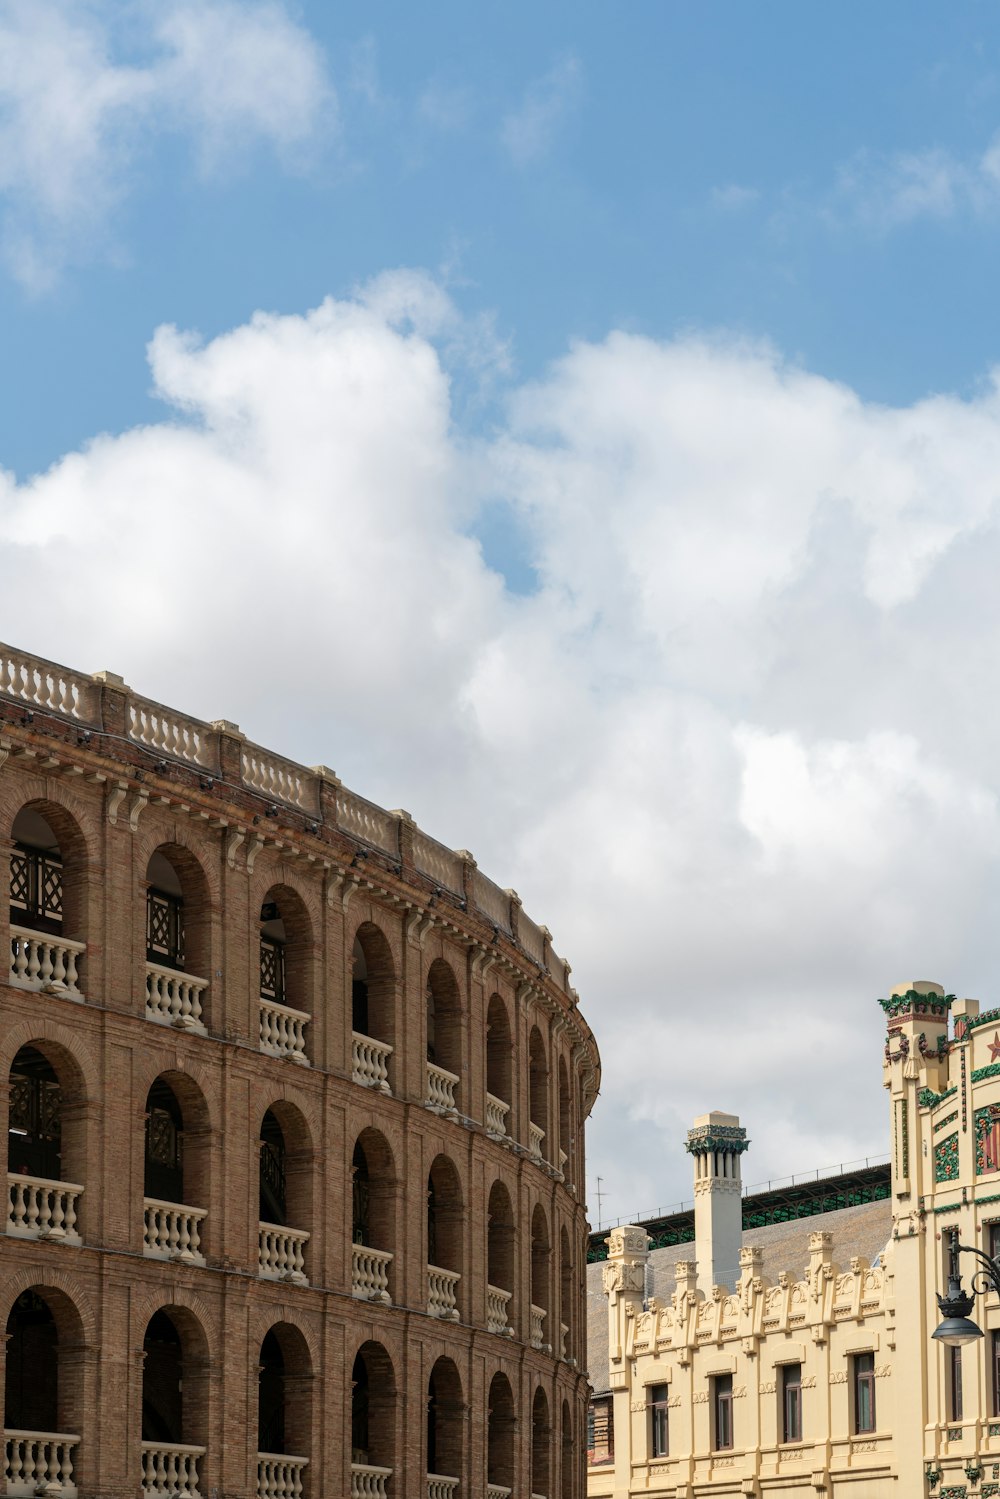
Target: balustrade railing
(280, 778)
(537, 1326)
(498, 1491)
(441, 1085)
(368, 1482)
(40, 1209)
(496, 1116)
(280, 1253)
(370, 1273)
(49, 965)
(43, 684)
(369, 1059)
(440, 863)
(536, 1137)
(497, 1304)
(172, 1232)
(174, 998)
(170, 1470)
(278, 1476)
(39, 1462)
(173, 734)
(283, 1031)
(439, 1487)
(441, 1287)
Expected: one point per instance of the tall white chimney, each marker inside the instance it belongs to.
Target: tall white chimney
(717, 1142)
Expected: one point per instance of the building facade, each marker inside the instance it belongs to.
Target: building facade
(294, 1098)
(798, 1360)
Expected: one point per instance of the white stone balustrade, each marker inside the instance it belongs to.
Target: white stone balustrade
(441, 1287)
(496, 1117)
(280, 1253)
(278, 1476)
(368, 1482)
(174, 998)
(537, 1326)
(170, 1470)
(497, 1491)
(536, 1136)
(172, 1232)
(441, 1085)
(283, 1031)
(370, 1274)
(369, 1059)
(497, 1304)
(40, 1209)
(439, 1487)
(539, 1496)
(39, 1462)
(49, 965)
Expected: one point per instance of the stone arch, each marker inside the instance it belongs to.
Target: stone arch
(501, 1257)
(445, 1421)
(286, 1188)
(501, 1427)
(567, 1455)
(287, 948)
(565, 1160)
(56, 1114)
(499, 1052)
(443, 1002)
(177, 1139)
(541, 1267)
(538, 1091)
(51, 827)
(445, 1234)
(373, 1212)
(47, 1344)
(284, 1405)
(176, 1376)
(372, 1390)
(374, 989)
(179, 909)
(567, 1294)
(541, 1441)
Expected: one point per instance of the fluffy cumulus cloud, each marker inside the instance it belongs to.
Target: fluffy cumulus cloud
(738, 749)
(85, 87)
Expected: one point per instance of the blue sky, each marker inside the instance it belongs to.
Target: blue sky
(576, 424)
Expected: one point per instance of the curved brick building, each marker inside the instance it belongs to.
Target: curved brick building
(294, 1100)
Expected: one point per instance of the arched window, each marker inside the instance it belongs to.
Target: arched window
(540, 1442)
(44, 1146)
(445, 1420)
(538, 1094)
(178, 933)
(501, 1425)
(285, 1194)
(499, 1260)
(373, 1402)
(285, 997)
(567, 1292)
(176, 1170)
(444, 1040)
(175, 1393)
(565, 1125)
(373, 1226)
(284, 1412)
(43, 1409)
(540, 1272)
(499, 1052)
(373, 1008)
(445, 1216)
(569, 1464)
(47, 894)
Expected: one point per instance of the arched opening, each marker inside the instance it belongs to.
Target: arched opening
(373, 1409)
(565, 1130)
(373, 1008)
(175, 1172)
(43, 1394)
(444, 1039)
(502, 1424)
(568, 1454)
(175, 1392)
(499, 1055)
(445, 1215)
(48, 894)
(445, 1422)
(45, 1144)
(178, 939)
(538, 1094)
(567, 1292)
(499, 1259)
(284, 1193)
(540, 1442)
(285, 990)
(540, 1269)
(283, 1410)
(273, 1187)
(373, 1224)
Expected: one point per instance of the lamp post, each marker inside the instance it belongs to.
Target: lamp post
(957, 1327)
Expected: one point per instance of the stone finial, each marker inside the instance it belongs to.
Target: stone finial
(628, 1242)
(918, 986)
(751, 1259)
(111, 679)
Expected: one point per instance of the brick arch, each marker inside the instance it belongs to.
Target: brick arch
(265, 1317)
(279, 874)
(191, 1323)
(41, 1279)
(78, 842)
(282, 1388)
(29, 1032)
(445, 1021)
(445, 1418)
(297, 1160)
(162, 1298)
(371, 914)
(35, 790)
(153, 1063)
(79, 1090)
(177, 834)
(300, 944)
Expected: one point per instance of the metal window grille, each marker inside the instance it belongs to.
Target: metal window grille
(165, 929)
(36, 889)
(164, 1145)
(272, 970)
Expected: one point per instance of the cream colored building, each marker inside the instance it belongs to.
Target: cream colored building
(727, 1372)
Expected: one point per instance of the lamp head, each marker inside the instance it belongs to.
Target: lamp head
(957, 1328)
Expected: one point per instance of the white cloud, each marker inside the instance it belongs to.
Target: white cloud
(739, 750)
(885, 191)
(83, 88)
(734, 197)
(529, 131)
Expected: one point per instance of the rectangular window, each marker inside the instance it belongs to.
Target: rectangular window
(864, 1392)
(164, 929)
(995, 1361)
(993, 1239)
(791, 1403)
(722, 1412)
(955, 1383)
(600, 1432)
(659, 1439)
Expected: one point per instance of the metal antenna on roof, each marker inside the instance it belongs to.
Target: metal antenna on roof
(600, 1198)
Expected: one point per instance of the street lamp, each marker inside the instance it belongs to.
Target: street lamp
(957, 1328)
